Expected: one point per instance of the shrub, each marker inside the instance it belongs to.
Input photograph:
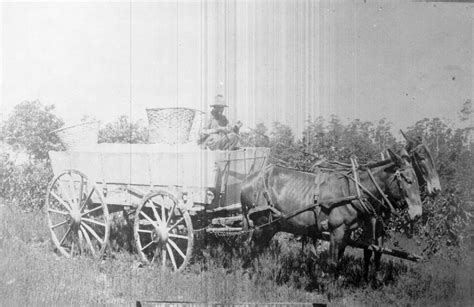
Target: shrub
(25, 185)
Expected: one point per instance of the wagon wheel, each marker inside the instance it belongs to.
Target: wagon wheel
(163, 231)
(77, 215)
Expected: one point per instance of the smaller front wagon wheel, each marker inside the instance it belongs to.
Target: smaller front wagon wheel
(163, 231)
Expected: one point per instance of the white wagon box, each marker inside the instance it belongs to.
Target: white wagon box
(141, 165)
(169, 190)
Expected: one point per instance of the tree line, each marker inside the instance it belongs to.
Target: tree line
(445, 218)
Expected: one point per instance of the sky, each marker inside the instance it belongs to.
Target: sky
(272, 60)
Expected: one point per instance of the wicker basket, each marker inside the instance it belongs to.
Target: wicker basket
(79, 137)
(198, 123)
(170, 125)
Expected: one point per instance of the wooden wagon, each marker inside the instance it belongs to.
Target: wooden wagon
(168, 192)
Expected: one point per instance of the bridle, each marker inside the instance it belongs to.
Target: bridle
(399, 176)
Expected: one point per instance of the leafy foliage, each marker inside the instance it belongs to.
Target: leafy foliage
(256, 137)
(123, 131)
(29, 127)
(444, 225)
(25, 185)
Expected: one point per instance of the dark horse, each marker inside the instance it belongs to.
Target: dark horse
(276, 192)
(424, 165)
(419, 155)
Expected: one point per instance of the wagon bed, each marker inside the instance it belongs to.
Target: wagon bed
(160, 187)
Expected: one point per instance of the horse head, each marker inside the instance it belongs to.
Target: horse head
(424, 164)
(402, 185)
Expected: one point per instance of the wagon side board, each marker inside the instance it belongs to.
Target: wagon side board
(195, 171)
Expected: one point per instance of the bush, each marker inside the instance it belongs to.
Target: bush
(444, 225)
(123, 131)
(25, 185)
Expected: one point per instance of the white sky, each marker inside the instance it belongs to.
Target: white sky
(273, 61)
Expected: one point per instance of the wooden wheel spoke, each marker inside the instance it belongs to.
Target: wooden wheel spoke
(72, 248)
(80, 238)
(88, 239)
(72, 189)
(163, 213)
(176, 224)
(180, 252)
(170, 252)
(171, 214)
(81, 190)
(148, 218)
(64, 236)
(172, 235)
(89, 229)
(88, 212)
(155, 213)
(58, 212)
(61, 201)
(87, 198)
(65, 192)
(154, 256)
(145, 231)
(93, 222)
(163, 258)
(59, 224)
(146, 246)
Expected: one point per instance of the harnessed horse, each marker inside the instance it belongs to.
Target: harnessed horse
(424, 165)
(283, 199)
(419, 155)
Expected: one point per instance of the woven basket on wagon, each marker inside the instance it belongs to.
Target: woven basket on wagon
(79, 137)
(172, 125)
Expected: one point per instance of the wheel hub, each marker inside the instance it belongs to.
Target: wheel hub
(160, 235)
(75, 217)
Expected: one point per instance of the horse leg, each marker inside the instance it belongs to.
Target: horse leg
(373, 224)
(367, 256)
(377, 257)
(336, 239)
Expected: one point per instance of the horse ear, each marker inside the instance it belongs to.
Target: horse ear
(410, 141)
(395, 158)
(404, 154)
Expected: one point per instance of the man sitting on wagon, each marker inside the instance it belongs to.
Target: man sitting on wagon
(217, 134)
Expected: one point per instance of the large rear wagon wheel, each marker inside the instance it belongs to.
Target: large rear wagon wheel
(163, 231)
(77, 215)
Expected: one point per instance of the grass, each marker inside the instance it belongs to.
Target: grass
(33, 274)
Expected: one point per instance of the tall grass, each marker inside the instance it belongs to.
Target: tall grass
(33, 274)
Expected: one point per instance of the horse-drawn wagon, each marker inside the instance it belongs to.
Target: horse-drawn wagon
(170, 193)
(173, 191)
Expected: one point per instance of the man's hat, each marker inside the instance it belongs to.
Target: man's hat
(219, 102)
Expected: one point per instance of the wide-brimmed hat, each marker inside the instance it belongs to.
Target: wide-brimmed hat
(219, 102)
